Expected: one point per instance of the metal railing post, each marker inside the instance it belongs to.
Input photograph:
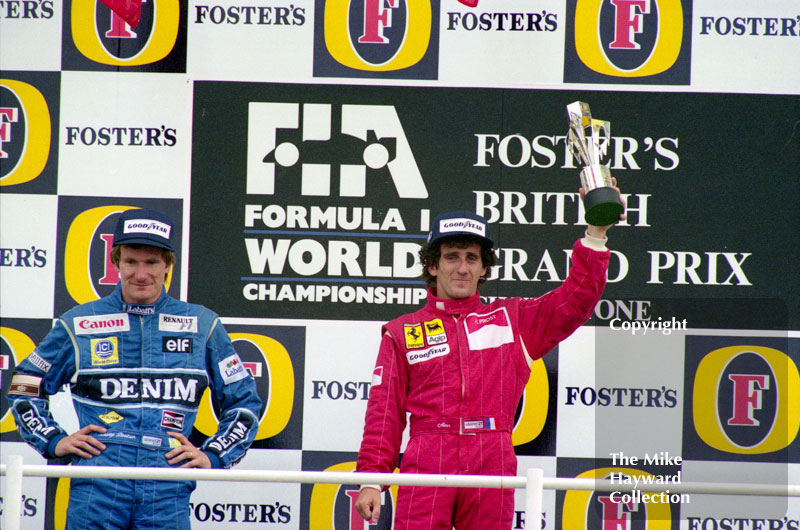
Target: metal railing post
(12, 506)
(533, 498)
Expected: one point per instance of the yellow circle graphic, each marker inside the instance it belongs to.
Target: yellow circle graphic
(415, 44)
(534, 406)
(163, 35)
(665, 51)
(705, 413)
(279, 403)
(21, 346)
(323, 499)
(61, 504)
(36, 116)
(576, 503)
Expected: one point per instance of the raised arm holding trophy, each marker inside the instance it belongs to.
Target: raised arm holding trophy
(588, 140)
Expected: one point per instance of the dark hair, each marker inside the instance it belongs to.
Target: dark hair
(116, 252)
(429, 255)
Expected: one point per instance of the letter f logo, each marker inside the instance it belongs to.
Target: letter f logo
(747, 391)
(628, 21)
(375, 19)
(617, 514)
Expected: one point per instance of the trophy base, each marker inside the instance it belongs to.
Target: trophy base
(602, 206)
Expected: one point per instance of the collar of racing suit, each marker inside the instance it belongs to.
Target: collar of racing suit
(159, 304)
(460, 306)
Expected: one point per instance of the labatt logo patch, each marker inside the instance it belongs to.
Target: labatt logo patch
(232, 369)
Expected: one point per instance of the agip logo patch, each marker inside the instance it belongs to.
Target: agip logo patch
(743, 398)
(628, 41)
(395, 39)
(95, 38)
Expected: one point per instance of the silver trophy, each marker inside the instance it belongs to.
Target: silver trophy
(588, 140)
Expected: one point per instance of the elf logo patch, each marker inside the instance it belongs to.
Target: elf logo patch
(176, 345)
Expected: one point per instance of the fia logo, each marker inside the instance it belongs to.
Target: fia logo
(371, 135)
(376, 39)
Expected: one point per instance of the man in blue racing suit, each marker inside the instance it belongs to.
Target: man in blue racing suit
(138, 363)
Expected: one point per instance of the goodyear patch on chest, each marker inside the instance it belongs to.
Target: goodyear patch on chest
(418, 356)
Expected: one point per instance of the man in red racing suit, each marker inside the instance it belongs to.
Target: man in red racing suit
(459, 367)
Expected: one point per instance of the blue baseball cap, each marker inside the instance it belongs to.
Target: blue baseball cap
(460, 223)
(139, 226)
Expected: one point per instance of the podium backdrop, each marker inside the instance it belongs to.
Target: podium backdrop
(306, 146)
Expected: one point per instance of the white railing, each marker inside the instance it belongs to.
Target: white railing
(534, 482)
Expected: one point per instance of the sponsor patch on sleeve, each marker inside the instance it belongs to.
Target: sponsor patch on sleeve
(232, 369)
(377, 376)
(25, 385)
(36, 360)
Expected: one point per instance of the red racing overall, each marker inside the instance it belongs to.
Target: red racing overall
(459, 367)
